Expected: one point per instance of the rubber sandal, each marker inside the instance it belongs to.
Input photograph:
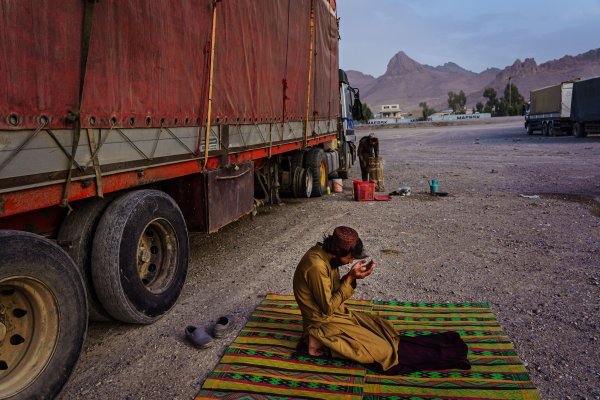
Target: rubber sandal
(198, 337)
(223, 326)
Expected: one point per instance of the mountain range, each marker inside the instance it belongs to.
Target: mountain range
(407, 82)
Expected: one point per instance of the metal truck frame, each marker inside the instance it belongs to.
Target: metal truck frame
(126, 124)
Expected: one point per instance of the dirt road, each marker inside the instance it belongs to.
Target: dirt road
(535, 260)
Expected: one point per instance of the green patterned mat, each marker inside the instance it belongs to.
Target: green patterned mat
(259, 363)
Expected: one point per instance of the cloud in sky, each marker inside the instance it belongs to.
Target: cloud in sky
(474, 34)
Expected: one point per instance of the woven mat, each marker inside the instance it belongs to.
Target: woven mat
(259, 363)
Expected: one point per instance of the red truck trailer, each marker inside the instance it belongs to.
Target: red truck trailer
(124, 124)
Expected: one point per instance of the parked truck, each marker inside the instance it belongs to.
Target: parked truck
(571, 107)
(125, 124)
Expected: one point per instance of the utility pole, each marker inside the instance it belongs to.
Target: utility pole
(509, 94)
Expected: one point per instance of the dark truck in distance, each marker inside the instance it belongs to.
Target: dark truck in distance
(571, 107)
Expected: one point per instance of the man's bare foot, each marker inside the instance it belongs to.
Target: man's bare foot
(315, 348)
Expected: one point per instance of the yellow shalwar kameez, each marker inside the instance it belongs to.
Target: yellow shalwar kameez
(357, 336)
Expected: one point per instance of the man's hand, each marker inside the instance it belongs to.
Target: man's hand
(361, 269)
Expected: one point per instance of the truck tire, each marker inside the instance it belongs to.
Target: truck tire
(529, 129)
(316, 161)
(302, 183)
(579, 130)
(297, 160)
(76, 236)
(545, 130)
(44, 316)
(349, 161)
(140, 256)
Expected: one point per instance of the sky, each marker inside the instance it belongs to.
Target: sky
(475, 34)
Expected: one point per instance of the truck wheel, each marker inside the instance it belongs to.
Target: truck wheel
(579, 130)
(317, 163)
(43, 316)
(343, 173)
(302, 183)
(76, 236)
(140, 256)
(545, 130)
(529, 129)
(297, 160)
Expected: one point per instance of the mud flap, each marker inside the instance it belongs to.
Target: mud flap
(211, 200)
(230, 194)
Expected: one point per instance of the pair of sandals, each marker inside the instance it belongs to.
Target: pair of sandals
(201, 339)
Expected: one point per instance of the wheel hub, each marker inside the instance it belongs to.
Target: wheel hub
(157, 255)
(28, 331)
(144, 252)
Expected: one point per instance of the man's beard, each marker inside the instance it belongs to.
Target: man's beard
(336, 263)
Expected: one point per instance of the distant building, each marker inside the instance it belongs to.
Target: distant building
(391, 111)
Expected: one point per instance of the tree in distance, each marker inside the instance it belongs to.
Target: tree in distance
(457, 102)
(511, 104)
(513, 100)
(492, 103)
(479, 107)
(367, 114)
(426, 110)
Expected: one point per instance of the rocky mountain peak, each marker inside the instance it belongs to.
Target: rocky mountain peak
(402, 64)
(453, 67)
(521, 68)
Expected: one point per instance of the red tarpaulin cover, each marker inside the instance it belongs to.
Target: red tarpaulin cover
(149, 59)
(40, 57)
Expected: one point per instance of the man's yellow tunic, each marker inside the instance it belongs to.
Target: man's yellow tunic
(321, 294)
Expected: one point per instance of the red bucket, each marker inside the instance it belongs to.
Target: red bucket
(364, 191)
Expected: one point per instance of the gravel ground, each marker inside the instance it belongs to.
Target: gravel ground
(535, 260)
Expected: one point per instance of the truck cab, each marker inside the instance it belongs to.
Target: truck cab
(350, 108)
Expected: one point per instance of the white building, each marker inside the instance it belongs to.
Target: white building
(391, 111)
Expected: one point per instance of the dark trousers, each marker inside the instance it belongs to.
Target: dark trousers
(430, 352)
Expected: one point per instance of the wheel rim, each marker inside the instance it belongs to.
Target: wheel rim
(308, 183)
(157, 255)
(29, 331)
(295, 180)
(323, 169)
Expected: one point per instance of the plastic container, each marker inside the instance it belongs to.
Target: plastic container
(338, 186)
(433, 186)
(364, 191)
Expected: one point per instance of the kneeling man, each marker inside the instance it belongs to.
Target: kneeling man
(331, 329)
